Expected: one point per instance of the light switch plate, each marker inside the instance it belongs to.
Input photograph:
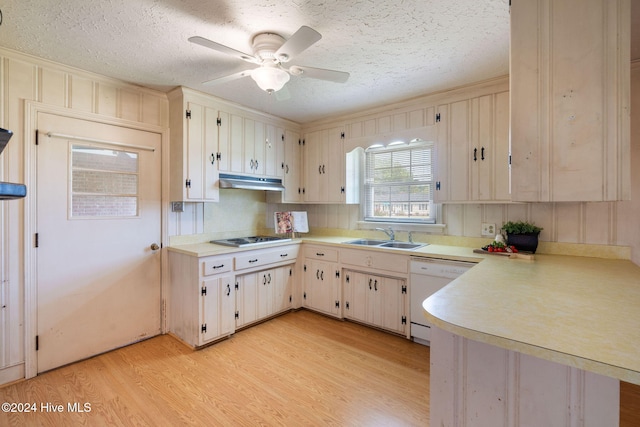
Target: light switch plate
(488, 229)
(177, 206)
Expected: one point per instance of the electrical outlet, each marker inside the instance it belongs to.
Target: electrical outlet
(488, 229)
(177, 207)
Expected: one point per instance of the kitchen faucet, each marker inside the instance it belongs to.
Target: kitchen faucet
(389, 232)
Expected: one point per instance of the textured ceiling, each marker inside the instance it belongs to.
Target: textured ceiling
(394, 50)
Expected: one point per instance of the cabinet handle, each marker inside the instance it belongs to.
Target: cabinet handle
(319, 254)
(228, 289)
(319, 169)
(375, 285)
(286, 169)
(264, 279)
(370, 280)
(212, 157)
(284, 255)
(269, 276)
(322, 275)
(323, 169)
(482, 153)
(256, 165)
(215, 267)
(251, 261)
(318, 274)
(475, 154)
(251, 163)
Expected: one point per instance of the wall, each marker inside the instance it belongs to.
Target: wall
(23, 77)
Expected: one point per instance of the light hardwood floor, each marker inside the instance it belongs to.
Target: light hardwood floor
(300, 369)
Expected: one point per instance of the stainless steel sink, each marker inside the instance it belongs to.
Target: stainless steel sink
(368, 242)
(401, 245)
(391, 244)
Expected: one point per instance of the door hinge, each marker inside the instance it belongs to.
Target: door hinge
(346, 305)
(290, 272)
(203, 328)
(203, 291)
(342, 190)
(236, 286)
(304, 296)
(187, 183)
(338, 274)
(404, 289)
(37, 135)
(438, 185)
(187, 114)
(36, 240)
(342, 135)
(509, 159)
(218, 156)
(37, 342)
(237, 314)
(219, 121)
(337, 304)
(347, 278)
(437, 117)
(404, 320)
(305, 267)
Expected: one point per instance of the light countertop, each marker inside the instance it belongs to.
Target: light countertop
(579, 311)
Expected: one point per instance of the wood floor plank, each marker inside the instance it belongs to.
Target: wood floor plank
(298, 369)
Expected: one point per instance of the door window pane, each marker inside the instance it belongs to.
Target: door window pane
(104, 182)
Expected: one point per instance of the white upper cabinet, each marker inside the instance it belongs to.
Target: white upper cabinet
(472, 148)
(324, 166)
(570, 100)
(194, 148)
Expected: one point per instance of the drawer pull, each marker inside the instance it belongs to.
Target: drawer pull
(284, 255)
(215, 267)
(319, 254)
(251, 261)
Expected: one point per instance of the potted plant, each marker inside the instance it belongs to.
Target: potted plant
(523, 235)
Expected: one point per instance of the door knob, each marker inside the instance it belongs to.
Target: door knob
(154, 247)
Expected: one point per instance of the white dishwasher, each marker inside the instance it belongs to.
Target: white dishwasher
(428, 275)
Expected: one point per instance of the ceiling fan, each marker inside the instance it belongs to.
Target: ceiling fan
(270, 52)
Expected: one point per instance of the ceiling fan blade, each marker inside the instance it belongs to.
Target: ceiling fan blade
(224, 49)
(230, 77)
(299, 41)
(319, 73)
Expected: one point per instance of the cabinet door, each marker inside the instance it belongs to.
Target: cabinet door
(283, 288)
(335, 165)
(390, 301)
(356, 292)
(570, 85)
(257, 147)
(218, 306)
(322, 287)
(453, 153)
(273, 151)
(266, 293)
(247, 299)
(292, 167)
(202, 146)
(315, 189)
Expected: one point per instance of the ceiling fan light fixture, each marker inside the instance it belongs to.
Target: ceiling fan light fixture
(270, 78)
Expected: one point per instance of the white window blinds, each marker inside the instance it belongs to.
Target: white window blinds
(398, 184)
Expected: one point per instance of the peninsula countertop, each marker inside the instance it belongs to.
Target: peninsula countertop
(579, 311)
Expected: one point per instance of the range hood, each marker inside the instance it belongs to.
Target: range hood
(9, 190)
(250, 182)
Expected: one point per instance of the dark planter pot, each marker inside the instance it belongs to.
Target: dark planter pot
(527, 242)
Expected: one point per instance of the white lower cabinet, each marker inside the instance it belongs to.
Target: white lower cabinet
(321, 290)
(376, 300)
(262, 294)
(212, 296)
(202, 298)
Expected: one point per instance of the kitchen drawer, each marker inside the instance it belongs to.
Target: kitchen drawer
(322, 253)
(374, 259)
(216, 265)
(262, 257)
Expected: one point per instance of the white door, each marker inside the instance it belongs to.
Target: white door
(98, 224)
